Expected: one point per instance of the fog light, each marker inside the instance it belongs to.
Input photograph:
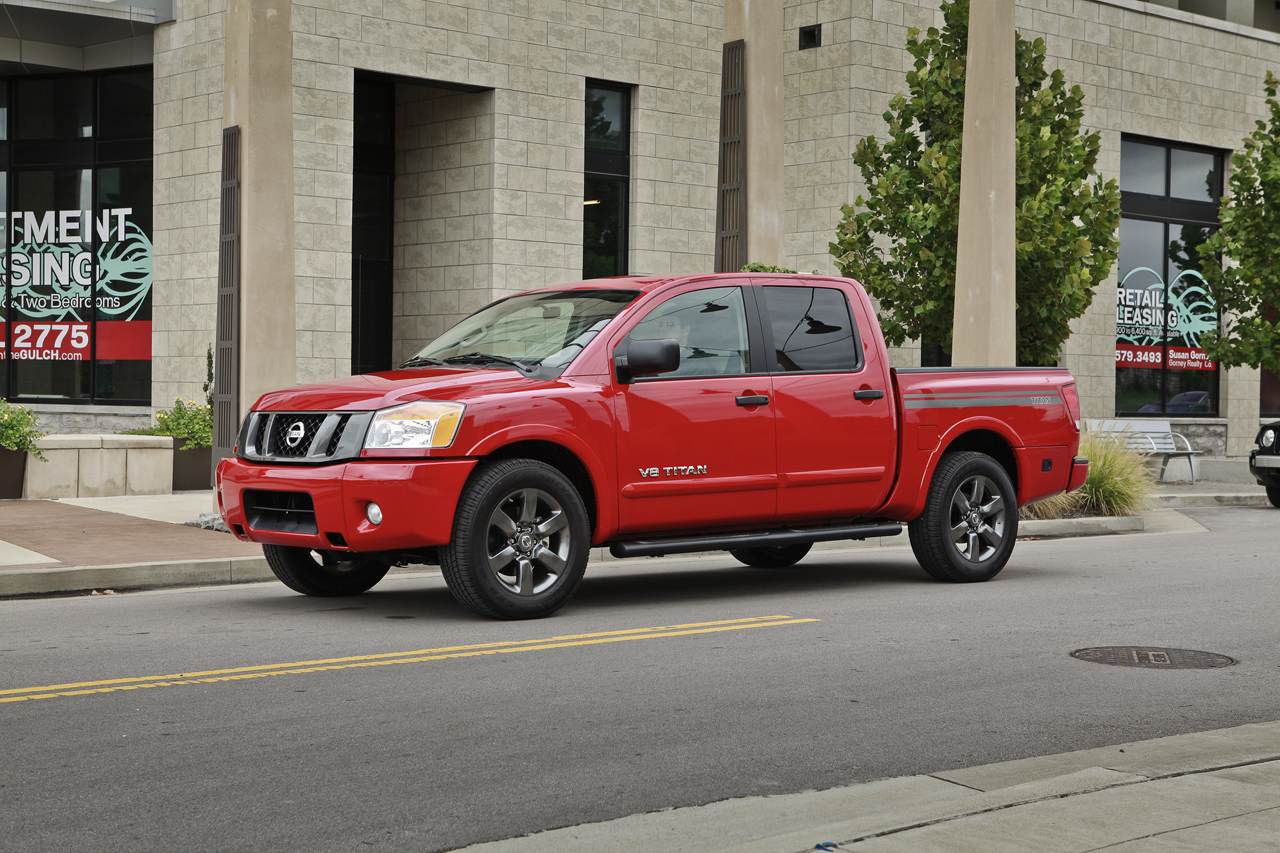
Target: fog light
(373, 512)
(1268, 438)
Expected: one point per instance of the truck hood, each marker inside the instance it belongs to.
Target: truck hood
(379, 390)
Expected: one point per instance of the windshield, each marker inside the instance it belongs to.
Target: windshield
(533, 331)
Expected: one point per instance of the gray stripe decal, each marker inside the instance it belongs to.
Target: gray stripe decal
(981, 402)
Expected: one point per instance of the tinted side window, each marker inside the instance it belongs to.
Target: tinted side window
(710, 326)
(812, 329)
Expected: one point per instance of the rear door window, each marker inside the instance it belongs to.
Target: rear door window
(812, 330)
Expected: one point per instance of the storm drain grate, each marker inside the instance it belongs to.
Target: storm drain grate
(1153, 657)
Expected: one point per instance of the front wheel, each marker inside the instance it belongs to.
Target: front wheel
(970, 520)
(1273, 495)
(520, 541)
(323, 573)
(771, 556)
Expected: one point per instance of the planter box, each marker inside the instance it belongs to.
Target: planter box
(192, 469)
(12, 465)
(93, 466)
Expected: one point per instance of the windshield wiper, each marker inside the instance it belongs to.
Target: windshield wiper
(420, 360)
(488, 358)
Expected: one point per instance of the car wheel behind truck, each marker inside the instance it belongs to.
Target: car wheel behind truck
(970, 520)
(1273, 495)
(520, 541)
(771, 556)
(324, 574)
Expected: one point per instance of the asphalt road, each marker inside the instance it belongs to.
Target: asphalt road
(876, 671)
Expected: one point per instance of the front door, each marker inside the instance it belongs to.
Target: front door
(696, 446)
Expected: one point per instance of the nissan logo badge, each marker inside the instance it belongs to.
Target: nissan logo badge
(295, 434)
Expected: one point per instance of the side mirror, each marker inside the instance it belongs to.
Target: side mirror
(647, 358)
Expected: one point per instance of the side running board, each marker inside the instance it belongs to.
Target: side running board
(752, 539)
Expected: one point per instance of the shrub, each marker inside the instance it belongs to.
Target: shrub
(20, 429)
(1119, 483)
(190, 421)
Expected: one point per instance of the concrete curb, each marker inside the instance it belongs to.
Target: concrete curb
(1057, 528)
(70, 579)
(1106, 795)
(77, 579)
(1191, 501)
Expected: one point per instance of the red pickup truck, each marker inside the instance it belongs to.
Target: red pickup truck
(751, 413)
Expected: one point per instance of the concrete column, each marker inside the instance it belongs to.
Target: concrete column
(1240, 12)
(759, 23)
(259, 98)
(985, 332)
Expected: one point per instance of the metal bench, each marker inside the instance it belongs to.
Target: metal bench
(1150, 438)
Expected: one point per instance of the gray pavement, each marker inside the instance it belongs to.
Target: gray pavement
(1215, 790)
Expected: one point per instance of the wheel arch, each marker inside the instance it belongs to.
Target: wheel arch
(992, 444)
(563, 460)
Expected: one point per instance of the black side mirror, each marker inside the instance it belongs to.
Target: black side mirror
(647, 358)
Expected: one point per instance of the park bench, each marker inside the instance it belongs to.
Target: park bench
(1150, 438)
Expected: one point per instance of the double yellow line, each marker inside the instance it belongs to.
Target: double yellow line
(212, 676)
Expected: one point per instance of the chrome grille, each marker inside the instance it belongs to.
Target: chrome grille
(285, 430)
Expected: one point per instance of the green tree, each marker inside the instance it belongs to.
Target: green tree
(900, 240)
(1247, 289)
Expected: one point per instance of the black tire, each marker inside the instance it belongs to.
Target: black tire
(323, 573)
(520, 541)
(771, 556)
(970, 520)
(1273, 495)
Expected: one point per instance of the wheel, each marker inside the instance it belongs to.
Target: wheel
(323, 573)
(520, 541)
(771, 556)
(970, 520)
(1273, 495)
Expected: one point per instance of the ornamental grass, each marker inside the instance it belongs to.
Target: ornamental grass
(1119, 483)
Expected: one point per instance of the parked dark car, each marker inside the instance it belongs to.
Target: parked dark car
(1264, 461)
(1187, 401)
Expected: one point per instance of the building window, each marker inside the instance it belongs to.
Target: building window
(76, 177)
(1169, 201)
(607, 173)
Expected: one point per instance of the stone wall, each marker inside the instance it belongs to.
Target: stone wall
(189, 58)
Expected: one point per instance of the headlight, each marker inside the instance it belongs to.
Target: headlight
(419, 425)
(1268, 437)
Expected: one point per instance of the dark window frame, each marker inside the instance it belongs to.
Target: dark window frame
(1170, 211)
(93, 153)
(613, 166)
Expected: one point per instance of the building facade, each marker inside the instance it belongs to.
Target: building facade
(396, 164)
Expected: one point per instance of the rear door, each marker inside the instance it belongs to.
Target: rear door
(832, 400)
(696, 446)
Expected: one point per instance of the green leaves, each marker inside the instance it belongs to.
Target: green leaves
(1247, 290)
(900, 240)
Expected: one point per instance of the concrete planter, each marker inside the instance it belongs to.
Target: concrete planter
(94, 466)
(13, 464)
(192, 469)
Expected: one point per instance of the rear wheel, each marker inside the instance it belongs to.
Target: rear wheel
(323, 573)
(1273, 495)
(520, 541)
(771, 556)
(970, 520)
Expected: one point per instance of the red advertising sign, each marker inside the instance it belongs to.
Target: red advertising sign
(34, 340)
(1180, 358)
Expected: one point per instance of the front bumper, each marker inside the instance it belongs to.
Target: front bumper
(417, 498)
(1265, 468)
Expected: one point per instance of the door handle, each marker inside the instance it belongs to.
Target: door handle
(868, 394)
(753, 400)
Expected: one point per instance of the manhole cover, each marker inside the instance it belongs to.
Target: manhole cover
(1153, 657)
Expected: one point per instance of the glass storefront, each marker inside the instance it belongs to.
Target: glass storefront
(75, 180)
(1169, 199)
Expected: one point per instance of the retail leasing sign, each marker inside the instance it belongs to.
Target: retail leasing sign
(57, 280)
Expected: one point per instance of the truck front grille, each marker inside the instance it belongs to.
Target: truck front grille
(311, 438)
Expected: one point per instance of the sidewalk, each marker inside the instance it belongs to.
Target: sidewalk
(1208, 791)
(82, 544)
